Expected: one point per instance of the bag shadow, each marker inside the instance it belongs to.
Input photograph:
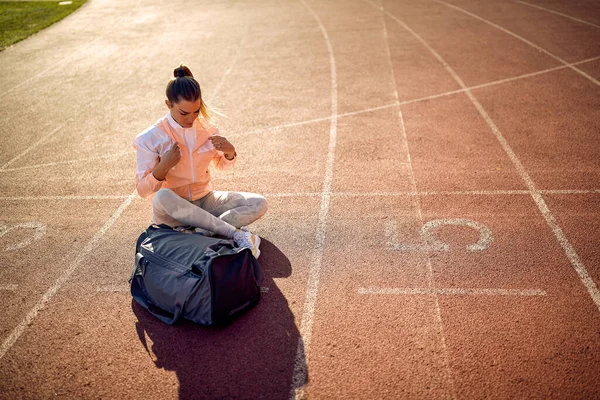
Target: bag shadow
(252, 357)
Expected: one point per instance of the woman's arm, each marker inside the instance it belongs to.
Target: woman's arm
(225, 156)
(145, 181)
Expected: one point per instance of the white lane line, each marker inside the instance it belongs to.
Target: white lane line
(64, 276)
(126, 17)
(52, 164)
(35, 198)
(9, 287)
(300, 374)
(461, 193)
(535, 46)
(37, 230)
(62, 61)
(570, 252)
(417, 100)
(453, 291)
(568, 191)
(558, 13)
(34, 145)
(233, 62)
(316, 120)
(435, 193)
(498, 82)
(448, 379)
(339, 194)
(125, 288)
(430, 280)
(281, 195)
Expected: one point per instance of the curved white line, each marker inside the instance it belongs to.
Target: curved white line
(453, 291)
(300, 369)
(64, 276)
(416, 100)
(535, 46)
(570, 252)
(558, 13)
(33, 146)
(52, 164)
(126, 18)
(43, 198)
(430, 281)
(234, 60)
(50, 68)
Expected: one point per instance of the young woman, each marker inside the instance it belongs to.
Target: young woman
(173, 158)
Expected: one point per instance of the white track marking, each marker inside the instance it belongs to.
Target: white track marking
(448, 378)
(300, 369)
(498, 82)
(453, 193)
(64, 276)
(280, 195)
(417, 100)
(125, 288)
(339, 194)
(62, 61)
(9, 287)
(436, 193)
(33, 146)
(558, 13)
(568, 191)
(430, 281)
(217, 88)
(126, 17)
(316, 120)
(453, 291)
(570, 252)
(36, 198)
(535, 46)
(430, 242)
(108, 157)
(38, 228)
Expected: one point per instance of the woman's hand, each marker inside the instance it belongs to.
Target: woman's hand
(222, 144)
(168, 161)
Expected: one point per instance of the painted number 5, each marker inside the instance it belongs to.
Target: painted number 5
(37, 231)
(429, 240)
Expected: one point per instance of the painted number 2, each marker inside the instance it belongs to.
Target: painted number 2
(37, 231)
(429, 240)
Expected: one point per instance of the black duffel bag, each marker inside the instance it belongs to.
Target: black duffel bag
(204, 279)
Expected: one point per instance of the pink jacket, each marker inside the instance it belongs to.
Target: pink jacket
(190, 178)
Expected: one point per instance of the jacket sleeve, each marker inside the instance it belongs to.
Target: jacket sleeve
(221, 163)
(145, 182)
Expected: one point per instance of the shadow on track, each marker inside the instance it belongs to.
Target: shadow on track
(251, 358)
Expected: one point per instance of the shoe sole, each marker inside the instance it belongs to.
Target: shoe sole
(256, 245)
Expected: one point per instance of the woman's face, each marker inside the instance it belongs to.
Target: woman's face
(184, 112)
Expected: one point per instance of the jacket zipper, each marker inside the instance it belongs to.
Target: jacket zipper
(191, 153)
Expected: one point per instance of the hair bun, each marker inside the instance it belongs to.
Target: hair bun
(182, 71)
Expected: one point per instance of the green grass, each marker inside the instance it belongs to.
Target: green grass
(21, 19)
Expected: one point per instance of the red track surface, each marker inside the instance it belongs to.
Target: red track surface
(373, 132)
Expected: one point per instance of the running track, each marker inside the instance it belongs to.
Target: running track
(433, 174)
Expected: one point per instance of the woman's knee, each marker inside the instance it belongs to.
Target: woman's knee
(261, 206)
(163, 197)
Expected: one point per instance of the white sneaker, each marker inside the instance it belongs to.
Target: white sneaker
(244, 238)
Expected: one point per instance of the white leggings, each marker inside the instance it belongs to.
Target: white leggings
(217, 212)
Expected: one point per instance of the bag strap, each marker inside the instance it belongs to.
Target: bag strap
(139, 293)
